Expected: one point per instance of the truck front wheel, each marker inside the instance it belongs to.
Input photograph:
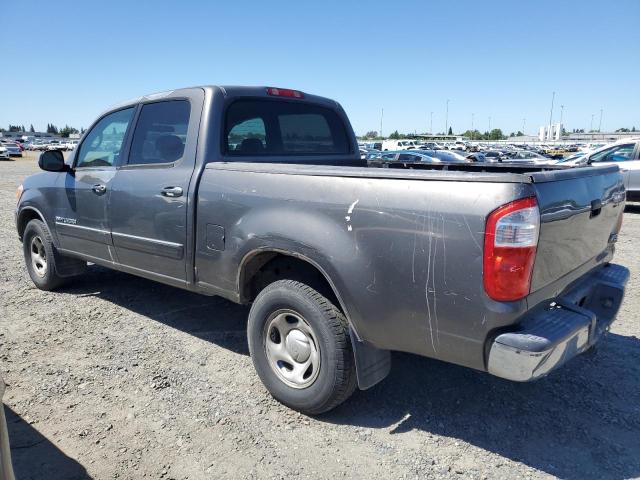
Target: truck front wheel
(300, 347)
(40, 257)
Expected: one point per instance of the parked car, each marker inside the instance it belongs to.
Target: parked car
(450, 156)
(431, 146)
(372, 145)
(526, 156)
(341, 264)
(394, 145)
(12, 149)
(71, 144)
(39, 145)
(494, 155)
(4, 153)
(623, 153)
(56, 145)
(388, 159)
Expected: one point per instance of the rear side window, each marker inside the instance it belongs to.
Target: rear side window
(160, 133)
(275, 127)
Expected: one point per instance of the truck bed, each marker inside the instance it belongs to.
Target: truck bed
(403, 246)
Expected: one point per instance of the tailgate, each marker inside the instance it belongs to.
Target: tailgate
(579, 213)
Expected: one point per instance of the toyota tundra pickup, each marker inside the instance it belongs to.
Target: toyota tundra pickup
(259, 195)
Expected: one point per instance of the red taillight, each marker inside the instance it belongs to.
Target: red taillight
(510, 241)
(284, 92)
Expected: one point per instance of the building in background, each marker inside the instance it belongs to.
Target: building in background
(550, 132)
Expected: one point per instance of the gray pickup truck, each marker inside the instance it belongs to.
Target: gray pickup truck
(259, 195)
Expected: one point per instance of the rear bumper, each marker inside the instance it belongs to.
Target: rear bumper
(549, 337)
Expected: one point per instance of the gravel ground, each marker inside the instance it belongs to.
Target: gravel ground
(119, 377)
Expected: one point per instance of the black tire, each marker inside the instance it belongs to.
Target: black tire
(37, 232)
(335, 379)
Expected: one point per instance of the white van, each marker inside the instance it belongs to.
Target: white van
(392, 145)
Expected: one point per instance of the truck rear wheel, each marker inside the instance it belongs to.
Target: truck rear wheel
(40, 257)
(300, 347)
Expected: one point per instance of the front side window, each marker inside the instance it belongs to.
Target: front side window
(160, 133)
(256, 127)
(103, 144)
(620, 153)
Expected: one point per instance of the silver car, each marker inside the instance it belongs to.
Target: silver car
(624, 153)
(12, 149)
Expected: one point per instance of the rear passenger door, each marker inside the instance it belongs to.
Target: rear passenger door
(150, 195)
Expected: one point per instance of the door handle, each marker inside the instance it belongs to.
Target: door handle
(172, 192)
(99, 189)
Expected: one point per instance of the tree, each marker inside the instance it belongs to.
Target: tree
(496, 134)
(395, 135)
(67, 130)
(31, 129)
(51, 128)
(450, 131)
(622, 130)
(371, 134)
(473, 134)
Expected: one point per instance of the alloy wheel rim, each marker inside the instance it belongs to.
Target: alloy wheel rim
(292, 349)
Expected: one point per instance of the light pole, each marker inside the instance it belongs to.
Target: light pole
(446, 121)
(472, 115)
(553, 97)
(524, 122)
(600, 123)
(381, 117)
(591, 128)
(431, 124)
(489, 129)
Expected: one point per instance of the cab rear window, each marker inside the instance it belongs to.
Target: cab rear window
(261, 127)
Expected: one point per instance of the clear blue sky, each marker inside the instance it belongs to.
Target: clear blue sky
(71, 60)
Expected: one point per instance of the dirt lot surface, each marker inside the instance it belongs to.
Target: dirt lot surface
(119, 377)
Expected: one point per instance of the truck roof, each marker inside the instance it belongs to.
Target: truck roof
(227, 90)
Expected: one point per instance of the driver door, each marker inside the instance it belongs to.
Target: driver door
(81, 219)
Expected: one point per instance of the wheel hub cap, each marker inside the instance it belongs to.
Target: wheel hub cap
(292, 349)
(38, 256)
(298, 345)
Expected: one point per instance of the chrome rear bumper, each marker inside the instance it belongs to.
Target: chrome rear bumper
(550, 337)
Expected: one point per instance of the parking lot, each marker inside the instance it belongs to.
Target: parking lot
(119, 377)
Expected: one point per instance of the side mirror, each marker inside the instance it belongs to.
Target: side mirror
(52, 161)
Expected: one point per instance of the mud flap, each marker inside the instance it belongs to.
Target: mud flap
(372, 364)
